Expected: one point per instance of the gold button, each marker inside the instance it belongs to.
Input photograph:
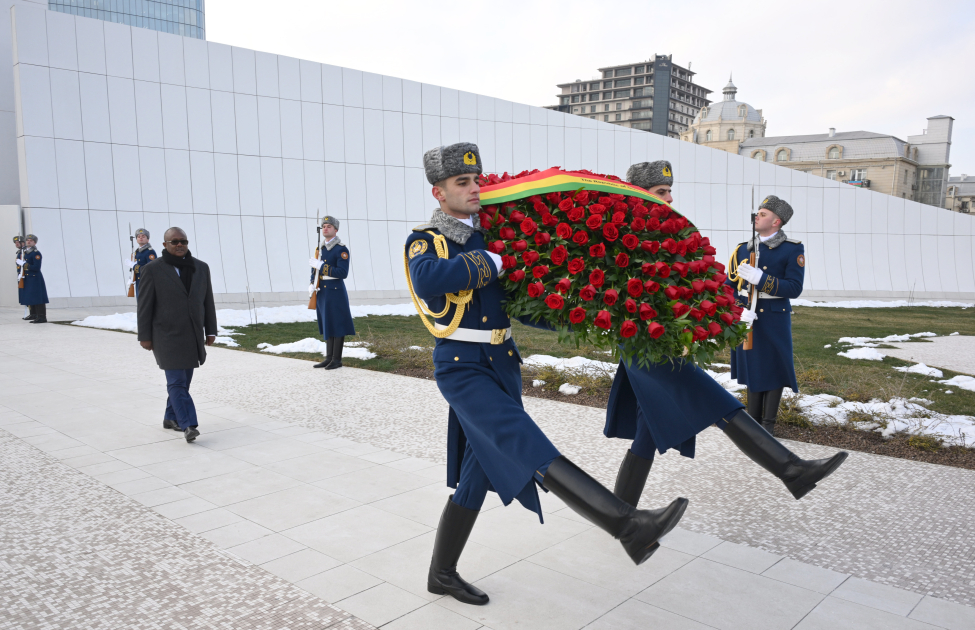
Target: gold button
(484, 319)
(511, 353)
(491, 358)
(764, 267)
(761, 310)
(456, 358)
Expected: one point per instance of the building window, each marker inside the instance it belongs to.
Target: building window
(621, 94)
(645, 125)
(624, 72)
(593, 86)
(592, 108)
(606, 118)
(751, 133)
(831, 175)
(619, 116)
(743, 111)
(964, 206)
(575, 98)
(575, 110)
(622, 83)
(607, 74)
(640, 69)
(758, 155)
(782, 156)
(607, 96)
(565, 101)
(858, 174)
(834, 153)
(648, 102)
(707, 136)
(642, 113)
(638, 92)
(606, 107)
(638, 81)
(619, 106)
(575, 88)
(731, 134)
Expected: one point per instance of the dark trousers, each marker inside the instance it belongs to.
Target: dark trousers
(474, 483)
(179, 405)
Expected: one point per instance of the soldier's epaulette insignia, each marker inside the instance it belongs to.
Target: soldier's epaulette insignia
(792, 240)
(423, 227)
(38, 256)
(418, 247)
(152, 256)
(345, 255)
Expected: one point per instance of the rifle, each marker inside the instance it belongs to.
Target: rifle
(313, 298)
(754, 292)
(131, 292)
(20, 268)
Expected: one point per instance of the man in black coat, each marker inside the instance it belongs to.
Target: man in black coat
(175, 311)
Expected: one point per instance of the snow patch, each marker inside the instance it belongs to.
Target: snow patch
(867, 354)
(880, 304)
(314, 346)
(953, 334)
(227, 341)
(575, 364)
(829, 345)
(569, 390)
(920, 368)
(873, 342)
(961, 382)
(537, 382)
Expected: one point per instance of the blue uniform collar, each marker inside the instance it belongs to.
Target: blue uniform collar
(777, 239)
(332, 243)
(456, 230)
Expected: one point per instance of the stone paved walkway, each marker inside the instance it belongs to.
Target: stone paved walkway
(332, 482)
(950, 353)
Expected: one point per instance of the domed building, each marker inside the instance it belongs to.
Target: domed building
(726, 123)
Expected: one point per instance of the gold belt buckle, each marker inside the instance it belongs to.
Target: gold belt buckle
(497, 336)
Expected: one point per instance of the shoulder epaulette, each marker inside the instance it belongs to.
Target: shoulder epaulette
(423, 227)
(792, 240)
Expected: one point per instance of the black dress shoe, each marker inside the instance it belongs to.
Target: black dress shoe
(191, 433)
(455, 527)
(323, 364)
(171, 424)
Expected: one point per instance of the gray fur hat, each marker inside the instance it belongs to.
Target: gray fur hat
(142, 231)
(646, 175)
(778, 206)
(18, 239)
(30, 237)
(456, 159)
(331, 221)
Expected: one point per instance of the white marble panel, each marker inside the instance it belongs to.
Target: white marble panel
(431, 132)
(467, 105)
(76, 229)
(504, 110)
(964, 224)
(749, 175)
(948, 271)
(145, 54)
(157, 223)
(172, 70)
(800, 220)
(964, 261)
(206, 247)
(204, 183)
(880, 263)
(352, 94)
(248, 139)
(198, 118)
(35, 114)
(272, 186)
(929, 214)
(393, 138)
(556, 146)
(255, 254)
(621, 146)
(554, 118)
(398, 232)
(912, 219)
(175, 131)
(382, 263)
(539, 157)
(196, 66)
(66, 101)
(279, 263)
(449, 130)
(29, 26)
(291, 139)
(127, 177)
(895, 215)
(831, 210)
(392, 89)
(736, 208)
(294, 187)
(226, 183)
(720, 168)
(107, 254)
(519, 113)
(47, 222)
(930, 268)
(266, 69)
(768, 174)
(353, 129)
(220, 59)
(684, 200)
(316, 201)
(224, 122)
(946, 222)
(301, 236)
(521, 149)
(538, 116)
(118, 50)
(395, 193)
(419, 201)
(864, 212)
(148, 111)
(638, 148)
(91, 46)
(372, 121)
(878, 213)
(289, 78)
(334, 122)
(245, 72)
(573, 149)
(783, 176)
(232, 253)
(62, 49)
(331, 82)
(848, 262)
(430, 95)
(312, 131)
(503, 148)
(485, 144)
(590, 150)
(72, 188)
(356, 204)
(99, 176)
(178, 187)
(864, 260)
(269, 126)
(372, 90)
(700, 212)
(485, 108)
(361, 254)
(335, 189)
(94, 108)
(719, 194)
(898, 262)
(375, 188)
(249, 182)
(815, 279)
(831, 262)
(412, 127)
(702, 163)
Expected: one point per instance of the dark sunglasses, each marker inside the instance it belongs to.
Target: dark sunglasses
(179, 241)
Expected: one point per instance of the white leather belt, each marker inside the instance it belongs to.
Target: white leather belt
(329, 278)
(494, 337)
(766, 296)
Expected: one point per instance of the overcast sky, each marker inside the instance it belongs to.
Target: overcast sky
(880, 66)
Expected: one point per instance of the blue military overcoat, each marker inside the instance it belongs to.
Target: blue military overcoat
(20, 290)
(769, 364)
(143, 256)
(34, 291)
(332, 305)
(480, 381)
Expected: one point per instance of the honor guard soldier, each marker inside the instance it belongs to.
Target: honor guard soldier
(666, 405)
(141, 257)
(330, 268)
(768, 367)
(34, 293)
(492, 443)
(19, 258)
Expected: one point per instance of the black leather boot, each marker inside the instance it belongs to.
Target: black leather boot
(41, 312)
(336, 363)
(799, 475)
(638, 530)
(756, 402)
(32, 315)
(329, 350)
(456, 524)
(632, 477)
(771, 409)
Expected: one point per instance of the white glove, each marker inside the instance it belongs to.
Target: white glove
(748, 317)
(19, 262)
(311, 290)
(316, 263)
(749, 273)
(496, 259)
(131, 264)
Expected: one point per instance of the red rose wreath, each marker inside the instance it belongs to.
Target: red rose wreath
(618, 265)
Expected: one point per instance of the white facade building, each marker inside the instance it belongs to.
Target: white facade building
(103, 125)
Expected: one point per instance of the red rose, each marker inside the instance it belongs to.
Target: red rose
(680, 309)
(638, 225)
(507, 262)
(588, 293)
(619, 218)
(630, 241)
(655, 330)
(670, 245)
(711, 286)
(682, 223)
(719, 267)
(672, 293)
(517, 275)
(536, 289)
(559, 254)
(542, 238)
(529, 258)
(597, 251)
(507, 233)
(682, 249)
(519, 246)
(575, 215)
(709, 307)
(649, 269)
(485, 221)
(685, 292)
(565, 205)
(719, 278)
(727, 318)
(597, 277)
(611, 296)
(549, 220)
(597, 208)
(634, 286)
(555, 301)
(563, 285)
(647, 311)
(622, 260)
(594, 221)
(692, 244)
(727, 290)
(700, 333)
(710, 250)
(650, 286)
(581, 237)
(697, 286)
(540, 207)
(628, 329)
(582, 197)
(650, 246)
(714, 328)
(697, 314)
(619, 206)
(577, 315)
(630, 306)
(517, 216)
(528, 227)
(576, 265)
(610, 233)
(540, 271)
(496, 247)
(604, 320)
(680, 268)
(663, 269)
(653, 224)
(498, 219)
(490, 210)
(669, 227)
(723, 300)
(640, 210)
(563, 230)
